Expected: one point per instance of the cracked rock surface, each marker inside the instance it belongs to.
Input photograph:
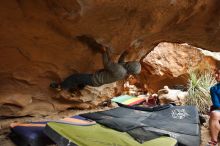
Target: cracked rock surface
(38, 42)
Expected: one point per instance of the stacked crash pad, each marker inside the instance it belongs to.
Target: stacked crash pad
(136, 103)
(97, 135)
(179, 122)
(32, 134)
(119, 127)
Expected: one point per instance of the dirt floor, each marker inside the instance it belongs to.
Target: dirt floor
(4, 123)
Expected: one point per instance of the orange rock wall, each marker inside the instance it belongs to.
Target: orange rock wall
(170, 63)
(38, 40)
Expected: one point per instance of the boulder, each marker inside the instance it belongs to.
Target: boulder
(170, 64)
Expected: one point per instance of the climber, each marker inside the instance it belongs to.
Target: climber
(112, 72)
(215, 113)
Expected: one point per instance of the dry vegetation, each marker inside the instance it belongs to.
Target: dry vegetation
(199, 84)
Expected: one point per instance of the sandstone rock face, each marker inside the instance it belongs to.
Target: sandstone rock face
(170, 63)
(39, 40)
(90, 97)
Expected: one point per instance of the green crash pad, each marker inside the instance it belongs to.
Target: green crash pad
(97, 135)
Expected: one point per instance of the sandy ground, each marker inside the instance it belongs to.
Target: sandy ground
(205, 136)
(4, 123)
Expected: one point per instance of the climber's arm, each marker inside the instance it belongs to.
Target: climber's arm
(122, 57)
(106, 57)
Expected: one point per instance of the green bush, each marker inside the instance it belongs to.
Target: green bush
(199, 84)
